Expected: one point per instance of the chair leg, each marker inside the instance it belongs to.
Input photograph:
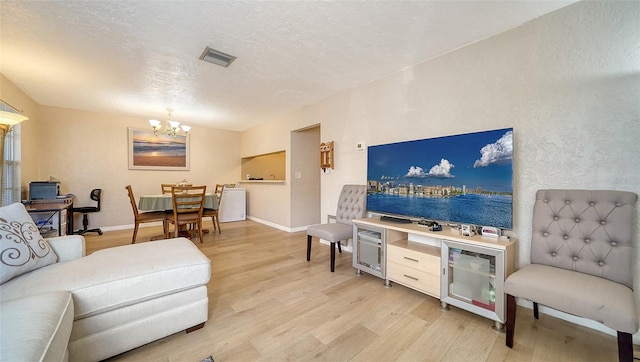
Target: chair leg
(135, 232)
(308, 247)
(218, 222)
(199, 226)
(625, 347)
(333, 257)
(339, 247)
(165, 228)
(511, 319)
(536, 315)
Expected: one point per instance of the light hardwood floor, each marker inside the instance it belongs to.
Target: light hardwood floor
(267, 303)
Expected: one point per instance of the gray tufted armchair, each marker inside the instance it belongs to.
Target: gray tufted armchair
(352, 204)
(582, 252)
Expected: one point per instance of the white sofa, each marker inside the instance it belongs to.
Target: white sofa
(88, 308)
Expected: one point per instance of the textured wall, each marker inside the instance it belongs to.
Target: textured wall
(87, 150)
(568, 83)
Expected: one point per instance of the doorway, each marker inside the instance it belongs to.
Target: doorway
(305, 177)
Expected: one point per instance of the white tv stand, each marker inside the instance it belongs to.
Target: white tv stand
(464, 271)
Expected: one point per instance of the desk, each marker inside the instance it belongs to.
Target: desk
(53, 217)
(164, 202)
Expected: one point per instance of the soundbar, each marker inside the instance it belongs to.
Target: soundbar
(397, 220)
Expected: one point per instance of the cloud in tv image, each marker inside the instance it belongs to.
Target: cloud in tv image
(466, 178)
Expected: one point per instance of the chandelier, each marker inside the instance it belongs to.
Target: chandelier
(171, 128)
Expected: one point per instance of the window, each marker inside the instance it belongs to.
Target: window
(11, 172)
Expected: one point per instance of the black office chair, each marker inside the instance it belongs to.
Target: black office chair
(95, 196)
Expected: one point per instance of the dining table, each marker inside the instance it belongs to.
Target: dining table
(163, 202)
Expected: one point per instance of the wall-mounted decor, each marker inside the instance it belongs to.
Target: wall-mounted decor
(148, 151)
(326, 155)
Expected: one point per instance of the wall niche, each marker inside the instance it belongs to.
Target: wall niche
(265, 167)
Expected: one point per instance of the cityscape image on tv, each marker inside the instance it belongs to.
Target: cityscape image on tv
(465, 178)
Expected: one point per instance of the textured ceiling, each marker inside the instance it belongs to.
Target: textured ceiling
(141, 57)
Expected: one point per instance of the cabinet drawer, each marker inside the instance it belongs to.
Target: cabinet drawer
(414, 278)
(414, 259)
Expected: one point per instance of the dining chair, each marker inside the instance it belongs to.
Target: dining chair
(166, 188)
(213, 213)
(352, 204)
(144, 217)
(188, 202)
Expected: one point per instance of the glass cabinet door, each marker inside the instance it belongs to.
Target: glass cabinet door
(473, 279)
(369, 250)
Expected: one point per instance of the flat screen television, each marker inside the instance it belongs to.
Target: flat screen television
(461, 179)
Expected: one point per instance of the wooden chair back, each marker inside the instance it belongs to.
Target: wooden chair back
(166, 188)
(188, 203)
(132, 199)
(188, 199)
(218, 193)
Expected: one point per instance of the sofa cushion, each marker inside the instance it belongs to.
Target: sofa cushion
(36, 328)
(22, 249)
(117, 277)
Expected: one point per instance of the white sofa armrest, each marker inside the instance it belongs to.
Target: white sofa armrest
(68, 247)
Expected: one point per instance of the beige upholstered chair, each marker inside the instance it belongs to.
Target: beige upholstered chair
(142, 217)
(352, 204)
(213, 213)
(188, 202)
(582, 252)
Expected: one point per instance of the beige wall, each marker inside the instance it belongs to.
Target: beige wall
(87, 150)
(568, 83)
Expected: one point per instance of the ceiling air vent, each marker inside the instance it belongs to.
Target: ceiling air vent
(217, 57)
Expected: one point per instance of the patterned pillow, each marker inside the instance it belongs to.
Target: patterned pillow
(22, 249)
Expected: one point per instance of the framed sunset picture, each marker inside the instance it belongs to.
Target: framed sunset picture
(148, 151)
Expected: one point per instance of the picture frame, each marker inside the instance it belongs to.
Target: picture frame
(148, 151)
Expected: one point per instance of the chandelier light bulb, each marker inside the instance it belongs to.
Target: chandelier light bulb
(172, 128)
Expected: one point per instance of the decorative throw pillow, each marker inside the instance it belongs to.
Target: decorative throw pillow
(22, 249)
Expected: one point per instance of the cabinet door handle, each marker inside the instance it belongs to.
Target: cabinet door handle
(410, 277)
(416, 260)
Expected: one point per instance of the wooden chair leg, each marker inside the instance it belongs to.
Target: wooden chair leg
(625, 347)
(333, 257)
(535, 311)
(135, 232)
(308, 247)
(218, 222)
(198, 229)
(511, 319)
(339, 247)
